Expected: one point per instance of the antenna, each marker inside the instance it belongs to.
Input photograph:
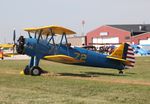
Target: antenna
(83, 23)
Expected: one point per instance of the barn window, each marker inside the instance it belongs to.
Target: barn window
(127, 37)
(103, 33)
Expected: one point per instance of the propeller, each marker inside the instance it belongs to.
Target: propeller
(19, 45)
(14, 40)
(14, 36)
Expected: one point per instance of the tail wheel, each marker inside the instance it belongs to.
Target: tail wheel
(120, 72)
(35, 71)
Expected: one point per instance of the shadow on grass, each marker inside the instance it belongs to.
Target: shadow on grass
(75, 74)
(89, 74)
(102, 73)
(130, 73)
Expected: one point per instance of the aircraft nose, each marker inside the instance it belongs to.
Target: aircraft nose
(20, 45)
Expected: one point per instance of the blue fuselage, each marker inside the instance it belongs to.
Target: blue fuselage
(42, 48)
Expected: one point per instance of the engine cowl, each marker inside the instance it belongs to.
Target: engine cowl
(20, 45)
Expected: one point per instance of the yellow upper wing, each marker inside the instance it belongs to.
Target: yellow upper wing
(47, 30)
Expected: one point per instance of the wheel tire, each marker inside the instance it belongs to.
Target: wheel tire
(35, 71)
(27, 70)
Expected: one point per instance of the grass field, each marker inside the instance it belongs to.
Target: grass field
(68, 84)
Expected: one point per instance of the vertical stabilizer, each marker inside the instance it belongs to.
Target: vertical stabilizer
(125, 54)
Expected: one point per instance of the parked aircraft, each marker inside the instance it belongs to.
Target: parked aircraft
(6, 50)
(139, 50)
(41, 44)
(1, 54)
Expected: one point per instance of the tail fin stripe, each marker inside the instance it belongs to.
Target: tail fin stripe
(124, 55)
(131, 57)
(130, 65)
(132, 62)
(130, 53)
(129, 47)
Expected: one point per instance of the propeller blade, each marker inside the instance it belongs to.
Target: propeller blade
(14, 40)
(14, 36)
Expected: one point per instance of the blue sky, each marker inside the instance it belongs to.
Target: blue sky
(21, 14)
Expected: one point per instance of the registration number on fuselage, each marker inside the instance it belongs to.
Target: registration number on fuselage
(80, 56)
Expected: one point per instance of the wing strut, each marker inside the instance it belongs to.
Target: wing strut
(39, 35)
(29, 35)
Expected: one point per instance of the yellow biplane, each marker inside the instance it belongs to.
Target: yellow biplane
(6, 50)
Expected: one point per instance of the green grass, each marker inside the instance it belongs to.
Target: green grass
(69, 84)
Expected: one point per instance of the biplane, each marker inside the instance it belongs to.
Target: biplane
(1, 54)
(6, 50)
(41, 44)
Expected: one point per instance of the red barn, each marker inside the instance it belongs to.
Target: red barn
(141, 38)
(114, 34)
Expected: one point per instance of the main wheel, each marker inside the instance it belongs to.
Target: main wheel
(27, 70)
(35, 71)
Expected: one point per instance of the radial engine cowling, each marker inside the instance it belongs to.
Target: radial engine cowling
(20, 45)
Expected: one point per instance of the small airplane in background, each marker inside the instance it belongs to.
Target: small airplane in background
(139, 50)
(6, 50)
(1, 54)
(41, 44)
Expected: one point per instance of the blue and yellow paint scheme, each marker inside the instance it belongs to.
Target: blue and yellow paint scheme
(42, 46)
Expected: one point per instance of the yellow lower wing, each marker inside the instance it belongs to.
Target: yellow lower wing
(9, 54)
(62, 59)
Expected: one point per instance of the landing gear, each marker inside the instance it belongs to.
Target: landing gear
(32, 68)
(27, 70)
(35, 71)
(121, 72)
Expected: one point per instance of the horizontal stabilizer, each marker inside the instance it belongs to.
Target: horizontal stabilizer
(115, 58)
(62, 59)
